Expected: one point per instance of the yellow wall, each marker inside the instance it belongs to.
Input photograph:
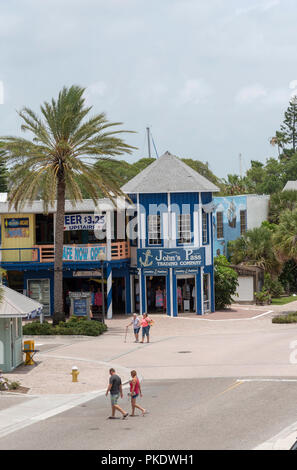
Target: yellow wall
(26, 241)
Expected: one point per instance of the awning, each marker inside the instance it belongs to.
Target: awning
(15, 305)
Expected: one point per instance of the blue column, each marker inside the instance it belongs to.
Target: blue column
(174, 294)
(199, 300)
(143, 292)
(168, 294)
(212, 290)
(128, 292)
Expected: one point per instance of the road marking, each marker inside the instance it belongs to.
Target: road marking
(236, 384)
(266, 380)
(224, 319)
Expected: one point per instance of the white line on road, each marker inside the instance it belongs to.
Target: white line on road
(223, 319)
(266, 380)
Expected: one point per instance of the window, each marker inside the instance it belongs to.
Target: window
(154, 230)
(184, 228)
(242, 222)
(206, 292)
(204, 228)
(220, 226)
(39, 290)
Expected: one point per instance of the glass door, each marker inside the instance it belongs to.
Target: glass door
(206, 292)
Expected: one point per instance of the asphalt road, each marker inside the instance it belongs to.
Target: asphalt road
(208, 413)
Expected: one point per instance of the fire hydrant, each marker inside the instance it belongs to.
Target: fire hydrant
(74, 374)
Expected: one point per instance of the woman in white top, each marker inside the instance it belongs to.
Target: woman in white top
(136, 326)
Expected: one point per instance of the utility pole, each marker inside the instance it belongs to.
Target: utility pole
(148, 141)
(240, 165)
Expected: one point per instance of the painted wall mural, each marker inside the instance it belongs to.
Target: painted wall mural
(227, 226)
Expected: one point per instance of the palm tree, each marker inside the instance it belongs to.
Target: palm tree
(59, 162)
(255, 248)
(285, 237)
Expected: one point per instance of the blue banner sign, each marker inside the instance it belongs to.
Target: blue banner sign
(170, 257)
(80, 307)
(83, 253)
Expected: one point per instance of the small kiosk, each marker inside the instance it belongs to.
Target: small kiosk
(13, 307)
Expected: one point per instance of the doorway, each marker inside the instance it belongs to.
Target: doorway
(186, 293)
(156, 294)
(118, 295)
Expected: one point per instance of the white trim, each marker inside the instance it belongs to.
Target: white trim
(196, 228)
(132, 299)
(171, 291)
(138, 221)
(200, 221)
(140, 291)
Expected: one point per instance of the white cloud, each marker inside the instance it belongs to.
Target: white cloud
(194, 91)
(258, 93)
(95, 90)
(250, 93)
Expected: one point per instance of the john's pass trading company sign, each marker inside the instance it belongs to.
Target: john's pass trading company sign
(170, 258)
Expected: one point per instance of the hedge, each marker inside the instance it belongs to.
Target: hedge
(74, 326)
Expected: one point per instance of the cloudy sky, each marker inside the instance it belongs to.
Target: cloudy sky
(211, 78)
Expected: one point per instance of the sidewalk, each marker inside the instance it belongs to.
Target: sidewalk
(95, 355)
(52, 391)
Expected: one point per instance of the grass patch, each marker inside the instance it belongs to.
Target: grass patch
(289, 318)
(283, 300)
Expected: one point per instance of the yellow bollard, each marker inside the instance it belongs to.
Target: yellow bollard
(74, 374)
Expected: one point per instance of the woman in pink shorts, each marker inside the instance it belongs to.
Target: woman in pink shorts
(135, 391)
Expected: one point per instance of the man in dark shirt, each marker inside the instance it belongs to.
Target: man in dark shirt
(115, 389)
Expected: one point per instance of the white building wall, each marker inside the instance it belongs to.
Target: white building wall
(245, 289)
(257, 210)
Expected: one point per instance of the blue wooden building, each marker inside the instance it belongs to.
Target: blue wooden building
(172, 258)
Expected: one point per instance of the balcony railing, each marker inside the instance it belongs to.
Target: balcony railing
(46, 253)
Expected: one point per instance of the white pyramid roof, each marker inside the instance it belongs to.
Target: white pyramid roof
(168, 174)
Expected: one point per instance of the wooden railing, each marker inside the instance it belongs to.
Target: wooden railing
(119, 250)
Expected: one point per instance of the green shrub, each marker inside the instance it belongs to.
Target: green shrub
(226, 282)
(14, 385)
(273, 286)
(74, 326)
(263, 297)
(290, 318)
(37, 328)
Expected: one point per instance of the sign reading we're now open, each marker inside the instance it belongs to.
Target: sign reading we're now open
(84, 253)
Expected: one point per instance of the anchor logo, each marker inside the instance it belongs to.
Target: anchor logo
(145, 262)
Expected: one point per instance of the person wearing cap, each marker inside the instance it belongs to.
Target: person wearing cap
(136, 326)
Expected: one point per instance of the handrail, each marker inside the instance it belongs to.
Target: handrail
(46, 253)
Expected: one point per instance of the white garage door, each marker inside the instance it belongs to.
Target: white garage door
(245, 289)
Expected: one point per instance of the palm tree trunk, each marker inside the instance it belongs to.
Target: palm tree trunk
(59, 314)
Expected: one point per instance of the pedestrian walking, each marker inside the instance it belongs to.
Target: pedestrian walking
(136, 326)
(135, 391)
(146, 323)
(115, 390)
(3, 382)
